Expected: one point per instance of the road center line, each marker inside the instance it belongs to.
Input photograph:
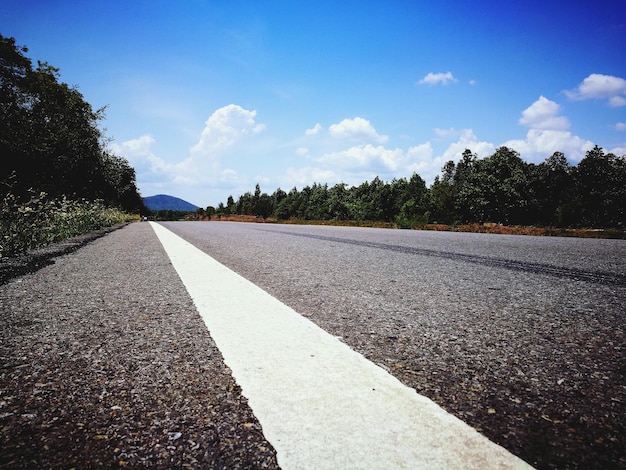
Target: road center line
(321, 404)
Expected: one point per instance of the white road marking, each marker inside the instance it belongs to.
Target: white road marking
(321, 404)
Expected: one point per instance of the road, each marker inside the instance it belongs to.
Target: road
(521, 337)
(321, 404)
(106, 360)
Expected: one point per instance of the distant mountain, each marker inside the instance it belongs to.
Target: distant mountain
(163, 202)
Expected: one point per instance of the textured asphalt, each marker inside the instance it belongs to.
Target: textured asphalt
(521, 337)
(105, 363)
(321, 404)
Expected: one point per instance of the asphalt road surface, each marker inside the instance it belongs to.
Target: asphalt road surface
(521, 337)
(106, 361)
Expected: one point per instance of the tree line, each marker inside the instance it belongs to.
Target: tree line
(501, 188)
(50, 140)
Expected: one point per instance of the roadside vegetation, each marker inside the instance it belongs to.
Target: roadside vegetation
(500, 193)
(57, 176)
(41, 221)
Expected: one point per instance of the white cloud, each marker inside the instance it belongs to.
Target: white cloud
(139, 153)
(363, 162)
(223, 130)
(437, 79)
(617, 101)
(137, 147)
(620, 126)
(183, 180)
(420, 160)
(619, 151)
(543, 114)
(446, 133)
(300, 177)
(466, 140)
(598, 86)
(302, 151)
(547, 134)
(364, 156)
(420, 152)
(540, 144)
(155, 174)
(360, 163)
(228, 176)
(314, 130)
(224, 127)
(356, 129)
(223, 134)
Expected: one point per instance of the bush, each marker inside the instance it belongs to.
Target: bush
(38, 221)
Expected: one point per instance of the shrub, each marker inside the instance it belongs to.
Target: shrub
(37, 221)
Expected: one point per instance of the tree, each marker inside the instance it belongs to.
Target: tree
(245, 204)
(442, 201)
(385, 197)
(221, 210)
(415, 204)
(359, 205)
(601, 187)
(501, 188)
(289, 205)
(468, 201)
(15, 72)
(494, 189)
(50, 140)
(120, 188)
(511, 193)
(262, 203)
(553, 191)
(231, 207)
(317, 207)
(277, 197)
(337, 202)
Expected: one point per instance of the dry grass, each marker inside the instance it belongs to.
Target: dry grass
(472, 228)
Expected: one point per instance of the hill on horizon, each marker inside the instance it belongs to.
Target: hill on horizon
(163, 202)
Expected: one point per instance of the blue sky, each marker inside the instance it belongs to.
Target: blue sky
(208, 98)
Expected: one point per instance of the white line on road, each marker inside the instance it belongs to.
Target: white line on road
(321, 404)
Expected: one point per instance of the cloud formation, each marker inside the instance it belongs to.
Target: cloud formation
(356, 129)
(349, 151)
(547, 134)
(314, 130)
(466, 139)
(437, 79)
(365, 156)
(540, 144)
(599, 87)
(307, 175)
(223, 133)
(359, 163)
(139, 153)
(543, 114)
(224, 127)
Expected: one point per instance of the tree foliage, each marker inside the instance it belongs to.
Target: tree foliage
(501, 188)
(50, 140)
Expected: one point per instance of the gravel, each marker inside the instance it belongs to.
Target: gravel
(521, 337)
(106, 363)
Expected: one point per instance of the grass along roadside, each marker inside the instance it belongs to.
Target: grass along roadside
(472, 228)
(38, 221)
